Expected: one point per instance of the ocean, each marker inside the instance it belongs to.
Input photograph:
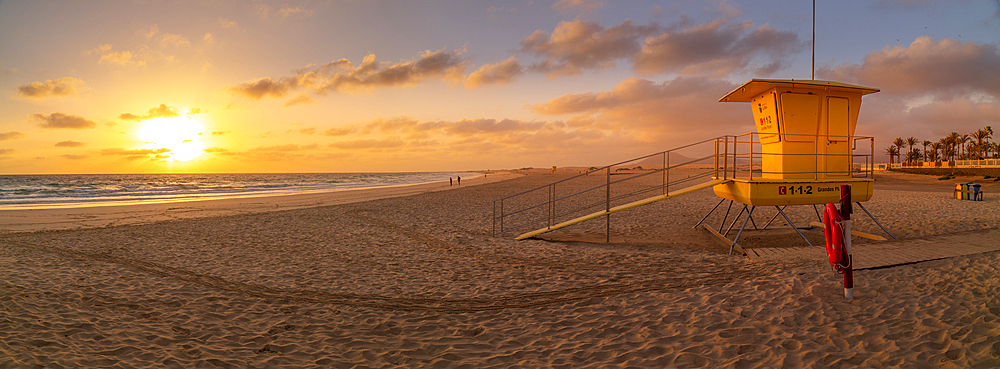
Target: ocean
(57, 190)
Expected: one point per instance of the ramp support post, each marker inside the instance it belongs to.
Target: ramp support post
(709, 213)
(724, 217)
(607, 207)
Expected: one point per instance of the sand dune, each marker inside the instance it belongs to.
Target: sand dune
(419, 281)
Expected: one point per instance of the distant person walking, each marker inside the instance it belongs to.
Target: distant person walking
(450, 182)
(459, 180)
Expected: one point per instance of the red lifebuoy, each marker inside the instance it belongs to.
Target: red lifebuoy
(834, 234)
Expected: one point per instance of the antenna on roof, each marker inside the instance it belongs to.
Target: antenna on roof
(813, 75)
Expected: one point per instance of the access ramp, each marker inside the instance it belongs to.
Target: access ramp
(600, 192)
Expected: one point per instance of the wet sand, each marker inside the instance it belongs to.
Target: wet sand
(420, 281)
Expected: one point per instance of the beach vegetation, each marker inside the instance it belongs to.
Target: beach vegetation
(973, 146)
(893, 152)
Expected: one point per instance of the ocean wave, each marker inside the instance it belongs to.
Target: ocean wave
(74, 189)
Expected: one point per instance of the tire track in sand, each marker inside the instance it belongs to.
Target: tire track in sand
(715, 274)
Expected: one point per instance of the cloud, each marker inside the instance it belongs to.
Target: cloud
(208, 39)
(577, 6)
(100, 49)
(166, 39)
(161, 111)
(887, 116)
(226, 23)
(60, 120)
(343, 76)
(10, 135)
(140, 58)
(152, 31)
(410, 128)
(6, 151)
(284, 148)
(66, 86)
(495, 74)
(262, 9)
(926, 67)
(685, 107)
(175, 41)
(69, 143)
(300, 100)
(956, 112)
(74, 156)
(577, 45)
(401, 139)
(369, 144)
(220, 133)
(717, 49)
(340, 131)
(134, 154)
(262, 87)
(120, 58)
(286, 12)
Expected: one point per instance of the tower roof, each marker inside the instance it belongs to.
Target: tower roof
(755, 87)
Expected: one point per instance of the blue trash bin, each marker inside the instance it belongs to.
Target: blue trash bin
(976, 195)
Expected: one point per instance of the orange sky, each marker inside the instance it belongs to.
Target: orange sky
(338, 86)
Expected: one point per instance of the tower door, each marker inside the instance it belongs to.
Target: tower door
(838, 140)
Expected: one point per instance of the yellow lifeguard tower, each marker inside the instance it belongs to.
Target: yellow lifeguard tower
(805, 143)
(806, 135)
(803, 150)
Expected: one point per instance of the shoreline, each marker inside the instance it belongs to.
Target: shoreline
(89, 215)
(188, 198)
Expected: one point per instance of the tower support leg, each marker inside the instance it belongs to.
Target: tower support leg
(793, 225)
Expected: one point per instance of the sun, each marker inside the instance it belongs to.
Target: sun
(178, 137)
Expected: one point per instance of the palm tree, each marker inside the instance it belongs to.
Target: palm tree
(989, 134)
(899, 142)
(980, 136)
(912, 141)
(951, 142)
(913, 156)
(935, 147)
(949, 152)
(892, 151)
(944, 142)
(962, 140)
(926, 143)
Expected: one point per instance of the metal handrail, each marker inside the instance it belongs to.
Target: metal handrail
(733, 155)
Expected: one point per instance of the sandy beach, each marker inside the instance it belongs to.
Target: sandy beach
(413, 277)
